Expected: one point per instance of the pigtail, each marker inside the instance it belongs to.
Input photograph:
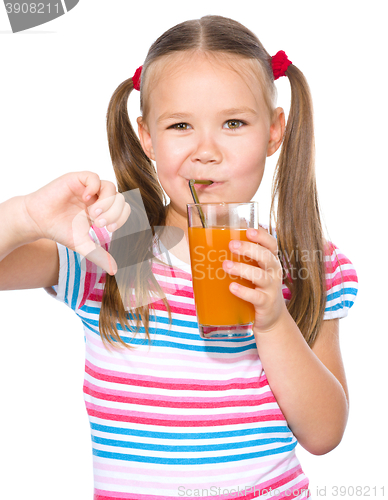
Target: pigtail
(133, 170)
(298, 224)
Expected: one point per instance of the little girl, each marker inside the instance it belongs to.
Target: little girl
(173, 415)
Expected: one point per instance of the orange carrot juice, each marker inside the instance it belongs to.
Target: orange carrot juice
(215, 303)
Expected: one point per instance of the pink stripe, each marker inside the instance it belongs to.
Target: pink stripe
(102, 236)
(182, 420)
(251, 465)
(248, 493)
(175, 289)
(299, 490)
(158, 304)
(230, 485)
(344, 272)
(96, 296)
(172, 402)
(170, 383)
(189, 418)
(176, 307)
(346, 277)
(160, 270)
(180, 290)
(90, 280)
(183, 290)
(282, 478)
(339, 260)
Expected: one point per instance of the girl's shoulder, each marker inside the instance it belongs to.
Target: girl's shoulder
(341, 282)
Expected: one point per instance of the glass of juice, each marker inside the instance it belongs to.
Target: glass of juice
(221, 315)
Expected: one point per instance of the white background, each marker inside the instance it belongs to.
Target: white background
(56, 82)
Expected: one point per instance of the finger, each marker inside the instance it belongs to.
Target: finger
(265, 239)
(92, 183)
(103, 259)
(256, 275)
(121, 220)
(106, 198)
(84, 245)
(254, 296)
(262, 255)
(112, 213)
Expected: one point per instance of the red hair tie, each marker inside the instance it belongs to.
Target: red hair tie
(136, 78)
(280, 63)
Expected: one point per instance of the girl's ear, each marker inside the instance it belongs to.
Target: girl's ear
(145, 138)
(278, 126)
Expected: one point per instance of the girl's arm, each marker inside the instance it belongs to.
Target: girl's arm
(25, 261)
(308, 384)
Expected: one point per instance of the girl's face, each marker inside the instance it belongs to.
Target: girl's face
(207, 121)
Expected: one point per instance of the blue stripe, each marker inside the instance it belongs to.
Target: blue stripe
(344, 304)
(199, 348)
(76, 283)
(186, 449)
(193, 461)
(67, 276)
(159, 319)
(163, 332)
(188, 435)
(177, 345)
(342, 291)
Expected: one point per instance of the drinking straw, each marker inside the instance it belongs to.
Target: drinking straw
(195, 197)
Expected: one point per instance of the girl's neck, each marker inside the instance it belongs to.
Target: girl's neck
(176, 219)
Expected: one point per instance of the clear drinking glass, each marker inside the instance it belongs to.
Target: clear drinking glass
(221, 315)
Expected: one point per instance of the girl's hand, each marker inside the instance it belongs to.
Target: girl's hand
(267, 296)
(65, 209)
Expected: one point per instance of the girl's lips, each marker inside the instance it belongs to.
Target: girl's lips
(201, 187)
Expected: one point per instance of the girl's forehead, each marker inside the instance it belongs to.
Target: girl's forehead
(164, 73)
(182, 62)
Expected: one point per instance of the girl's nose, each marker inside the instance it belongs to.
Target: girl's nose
(206, 151)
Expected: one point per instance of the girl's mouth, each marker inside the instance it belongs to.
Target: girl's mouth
(207, 187)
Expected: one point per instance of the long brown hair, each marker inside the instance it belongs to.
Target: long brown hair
(297, 220)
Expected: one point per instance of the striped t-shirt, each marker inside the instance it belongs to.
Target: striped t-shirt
(182, 416)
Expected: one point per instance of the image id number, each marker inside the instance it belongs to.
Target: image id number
(357, 491)
(31, 8)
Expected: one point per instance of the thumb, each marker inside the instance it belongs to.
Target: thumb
(102, 259)
(85, 246)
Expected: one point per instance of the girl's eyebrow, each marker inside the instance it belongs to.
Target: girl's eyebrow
(186, 116)
(175, 116)
(238, 111)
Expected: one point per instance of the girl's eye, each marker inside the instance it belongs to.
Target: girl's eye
(180, 126)
(233, 124)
